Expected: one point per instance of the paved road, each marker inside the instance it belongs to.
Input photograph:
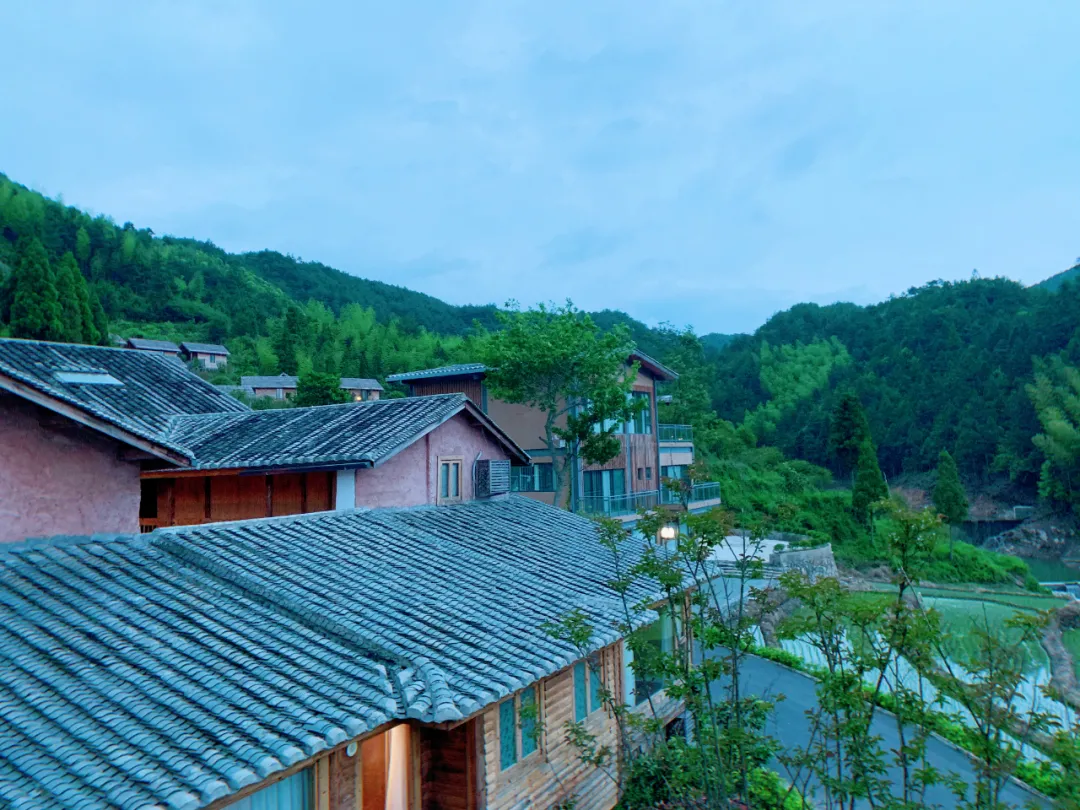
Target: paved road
(790, 725)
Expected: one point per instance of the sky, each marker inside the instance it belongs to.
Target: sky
(698, 162)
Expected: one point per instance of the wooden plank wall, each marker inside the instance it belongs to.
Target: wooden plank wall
(189, 501)
(446, 763)
(473, 389)
(555, 771)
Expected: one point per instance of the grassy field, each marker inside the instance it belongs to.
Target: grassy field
(1004, 596)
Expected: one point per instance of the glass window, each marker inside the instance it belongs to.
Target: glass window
(642, 420)
(528, 721)
(533, 478)
(291, 793)
(661, 636)
(648, 473)
(596, 682)
(507, 734)
(449, 479)
(581, 709)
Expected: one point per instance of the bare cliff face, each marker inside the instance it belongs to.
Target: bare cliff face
(1039, 538)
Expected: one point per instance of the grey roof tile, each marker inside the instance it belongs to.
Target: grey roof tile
(154, 388)
(146, 344)
(352, 434)
(205, 348)
(442, 371)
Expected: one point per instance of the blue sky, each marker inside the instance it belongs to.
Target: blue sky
(699, 162)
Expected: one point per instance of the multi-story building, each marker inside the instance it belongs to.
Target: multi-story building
(625, 486)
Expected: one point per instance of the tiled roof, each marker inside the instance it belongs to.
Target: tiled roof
(154, 388)
(364, 383)
(287, 381)
(357, 433)
(171, 669)
(205, 348)
(441, 371)
(655, 367)
(153, 345)
(277, 381)
(129, 680)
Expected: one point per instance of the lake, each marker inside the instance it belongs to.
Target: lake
(1053, 570)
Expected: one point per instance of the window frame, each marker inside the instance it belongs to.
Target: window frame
(449, 462)
(515, 701)
(585, 665)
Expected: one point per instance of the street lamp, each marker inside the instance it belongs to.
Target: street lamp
(667, 533)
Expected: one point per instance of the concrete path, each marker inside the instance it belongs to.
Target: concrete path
(790, 725)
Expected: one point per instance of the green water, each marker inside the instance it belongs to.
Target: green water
(1053, 570)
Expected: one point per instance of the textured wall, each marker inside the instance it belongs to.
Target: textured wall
(409, 478)
(61, 482)
(814, 562)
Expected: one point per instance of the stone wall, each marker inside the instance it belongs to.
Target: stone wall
(814, 562)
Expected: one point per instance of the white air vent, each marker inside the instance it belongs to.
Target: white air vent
(86, 378)
(492, 477)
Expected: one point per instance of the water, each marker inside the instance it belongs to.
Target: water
(1053, 570)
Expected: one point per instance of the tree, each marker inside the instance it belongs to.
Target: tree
(289, 339)
(319, 389)
(35, 304)
(1056, 397)
(82, 245)
(557, 360)
(848, 430)
(101, 322)
(69, 283)
(949, 498)
(869, 483)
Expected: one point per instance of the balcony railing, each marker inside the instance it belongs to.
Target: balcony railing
(675, 433)
(620, 505)
(706, 491)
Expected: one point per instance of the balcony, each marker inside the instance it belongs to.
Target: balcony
(706, 491)
(619, 505)
(637, 503)
(675, 433)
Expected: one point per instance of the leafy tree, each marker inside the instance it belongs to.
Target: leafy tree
(869, 483)
(848, 431)
(35, 304)
(1056, 397)
(557, 360)
(82, 245)
(319, 389)
(101, 322)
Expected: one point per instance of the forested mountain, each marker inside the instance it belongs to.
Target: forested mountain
(944, 366)
(1055, 281)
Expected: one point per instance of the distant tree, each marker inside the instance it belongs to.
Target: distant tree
(101, 322)
(319, 389)
(289, 339)
(557, 360)
(69, 283)
(869, 483)
(1056, 397)
(35, 304)
(82, 245)
(949, 498)
(848, 431)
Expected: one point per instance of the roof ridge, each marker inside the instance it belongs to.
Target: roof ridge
(67, 540)
(262, 521)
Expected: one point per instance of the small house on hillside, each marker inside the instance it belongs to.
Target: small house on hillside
(165, 347)
(283, 386)
(210, 355)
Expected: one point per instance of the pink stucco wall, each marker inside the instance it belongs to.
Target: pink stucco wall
(409, 478)
(61, 482)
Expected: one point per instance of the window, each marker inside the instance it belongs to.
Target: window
(661, 635)
(292, 793)
(588, 682)
(449, 480)
(533, 478)
(519, 726)
(640, 473)
(677, 471)
(604, 483)
(642, 420)
(648, 473)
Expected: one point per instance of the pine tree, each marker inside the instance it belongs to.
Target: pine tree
(869, 483)
(101, 322)
(848, 431)
(288, 341)
(82, 245)
(68, 281)
(949, 498)
(35, 304)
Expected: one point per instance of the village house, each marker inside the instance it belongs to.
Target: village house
(283, 386)
(164, 347)
(386, 659)
(624, 487)
(210, 356)
(107, 440)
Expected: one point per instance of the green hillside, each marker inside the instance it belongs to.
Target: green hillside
(1055, 281)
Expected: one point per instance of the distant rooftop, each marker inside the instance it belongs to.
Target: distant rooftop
(204, 348)
(289, 381)
(147, 345)
(458, 370)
